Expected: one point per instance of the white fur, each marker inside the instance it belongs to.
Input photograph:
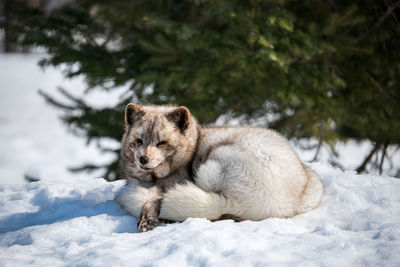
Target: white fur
(133, 196)
(188, 200)
(313, 193)
(258, 173)
(210, 173)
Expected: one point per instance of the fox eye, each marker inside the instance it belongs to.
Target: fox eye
(139, 141)
(161, 143)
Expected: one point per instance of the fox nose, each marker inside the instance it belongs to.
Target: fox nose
(143, 160)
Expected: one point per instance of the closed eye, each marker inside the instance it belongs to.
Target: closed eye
(161, 143)
(139, 141)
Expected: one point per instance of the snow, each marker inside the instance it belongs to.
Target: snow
(72, 219)
(78, 223)
(33, 139)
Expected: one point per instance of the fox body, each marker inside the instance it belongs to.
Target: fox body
(177, 169)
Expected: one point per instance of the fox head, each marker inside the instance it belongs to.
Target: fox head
(157, 141)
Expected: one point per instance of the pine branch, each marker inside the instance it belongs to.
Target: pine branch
(78, 101)
(87, 167)
(55, 103)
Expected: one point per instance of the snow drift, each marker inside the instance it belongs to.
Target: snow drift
(78, 223)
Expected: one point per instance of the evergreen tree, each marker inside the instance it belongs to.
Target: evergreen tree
(322, 69)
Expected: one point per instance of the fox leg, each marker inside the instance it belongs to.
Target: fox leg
(228, 217)
(148, 218)
(134, 196)
(142, 203)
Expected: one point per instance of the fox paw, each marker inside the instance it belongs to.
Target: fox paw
(147, 223)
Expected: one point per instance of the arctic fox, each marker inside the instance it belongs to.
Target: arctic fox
(177, 169)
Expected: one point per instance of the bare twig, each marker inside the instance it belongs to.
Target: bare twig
(393, 15)
(385, 146)
(319, 144)
(388, 12)
(381, 90)
(318, 149)
(363, 165)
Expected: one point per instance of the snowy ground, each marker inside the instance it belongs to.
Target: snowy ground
(77, 223)
(69, 219)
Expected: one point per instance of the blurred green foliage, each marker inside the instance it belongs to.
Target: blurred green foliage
(323, 69)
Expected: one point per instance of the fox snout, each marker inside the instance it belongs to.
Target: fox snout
(150, 157)
(143, 160)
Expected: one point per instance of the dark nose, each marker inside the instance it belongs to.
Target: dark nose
(143, 160)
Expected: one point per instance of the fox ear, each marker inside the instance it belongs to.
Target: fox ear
(181, 117)
(133, 112)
